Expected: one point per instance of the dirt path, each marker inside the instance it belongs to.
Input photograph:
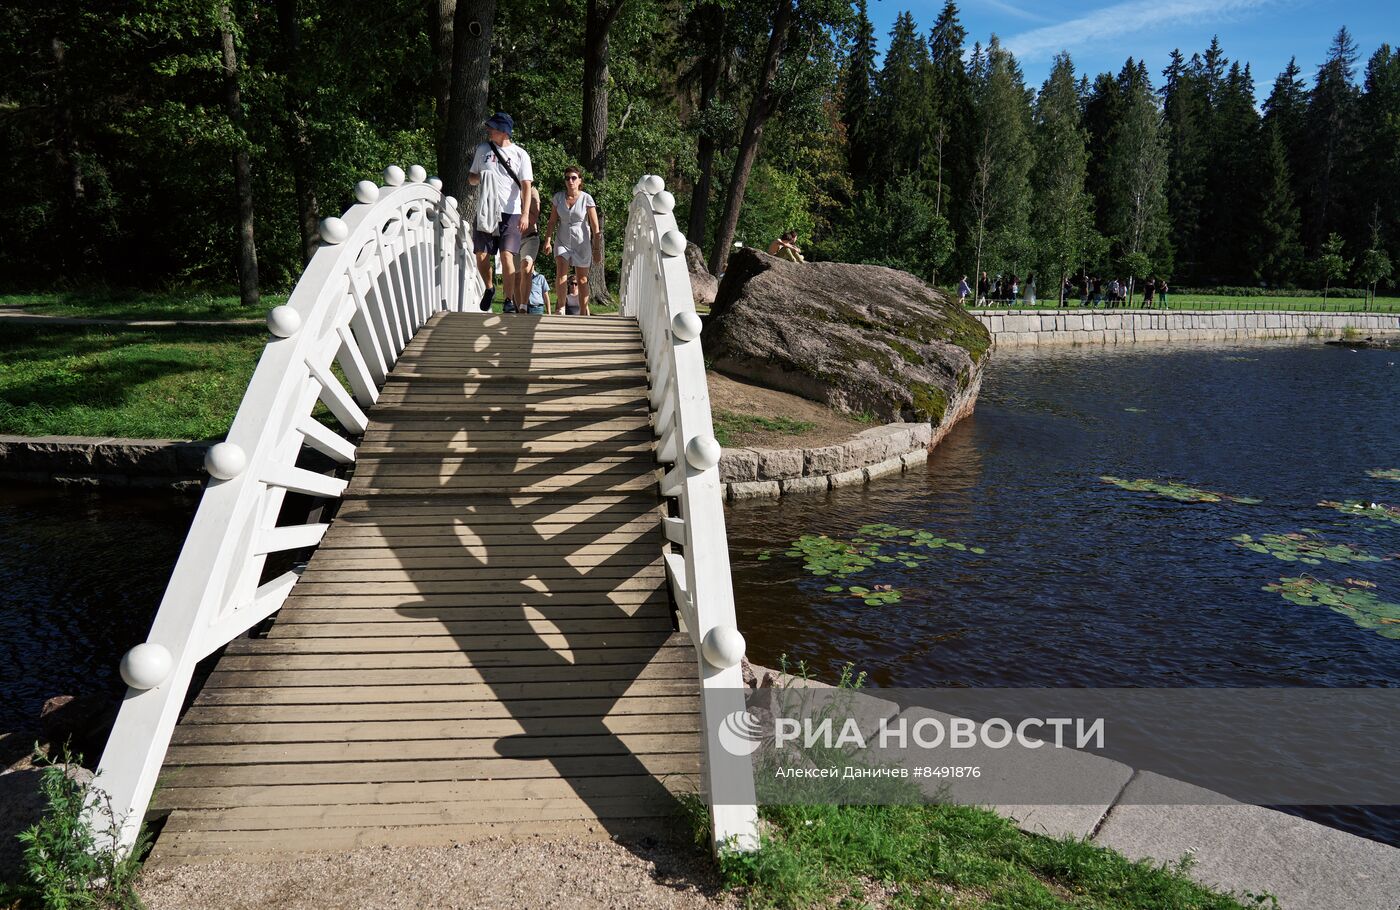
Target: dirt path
(496, 873)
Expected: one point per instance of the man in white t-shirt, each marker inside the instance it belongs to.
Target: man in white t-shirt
(513, 176)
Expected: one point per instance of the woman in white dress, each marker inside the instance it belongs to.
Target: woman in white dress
(578, 240)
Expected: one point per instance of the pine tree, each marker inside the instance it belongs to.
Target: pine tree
(1380, 157)
(950, 98)
(1233, 154)
(1186, 111)
(1137, 172)
(1331, 130)
(858, 97)
(1102, 108)
(1001, 192)
(1057, 180)
(1275, 250)
(904, 104)
(1286, 109)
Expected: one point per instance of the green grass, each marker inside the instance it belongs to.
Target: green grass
(110, 304)
(1222, 302)
(176, 382)
(926, 856)
(729, 425)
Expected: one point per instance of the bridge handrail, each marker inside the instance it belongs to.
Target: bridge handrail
(383, 268)
(656, 290)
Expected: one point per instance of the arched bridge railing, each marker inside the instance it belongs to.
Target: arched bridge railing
(392, 260)
(656, 291)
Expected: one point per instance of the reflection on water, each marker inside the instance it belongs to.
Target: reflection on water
(1085, 584)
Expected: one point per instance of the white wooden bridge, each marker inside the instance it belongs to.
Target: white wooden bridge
(508, 624)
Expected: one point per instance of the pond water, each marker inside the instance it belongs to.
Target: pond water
(1087, 584)
(1082, 583)
(83, 574)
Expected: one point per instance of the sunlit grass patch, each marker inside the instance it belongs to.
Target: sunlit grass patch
(157, 382)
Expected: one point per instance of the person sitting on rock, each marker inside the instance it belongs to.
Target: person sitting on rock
(785, 247)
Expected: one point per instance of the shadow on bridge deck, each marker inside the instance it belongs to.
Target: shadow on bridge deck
(484, 641)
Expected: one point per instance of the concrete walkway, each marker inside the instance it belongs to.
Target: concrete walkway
(1230, 846)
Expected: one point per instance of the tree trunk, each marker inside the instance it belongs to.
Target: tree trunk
(440, 13)
(298, 138)
(593, 139)
(471, 78)
(760, 108)
(242, 168)
(711, 69)
(68, 162)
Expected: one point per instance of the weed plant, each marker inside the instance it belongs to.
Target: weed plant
(63, 867)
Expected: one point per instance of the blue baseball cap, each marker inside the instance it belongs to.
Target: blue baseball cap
(501, 121)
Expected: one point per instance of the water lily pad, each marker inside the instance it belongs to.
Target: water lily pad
(1136, 410)
(1355, 600)
(1308, 549)
(1384, 473)
(1376, 510)
(1174, 490)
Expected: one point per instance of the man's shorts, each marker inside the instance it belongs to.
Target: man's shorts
(506, 240)
(530, 247)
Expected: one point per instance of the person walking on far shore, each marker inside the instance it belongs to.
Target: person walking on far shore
(1030, 289)
(984, 289)
(1148, 287)
(1162, 292)
(963, 291)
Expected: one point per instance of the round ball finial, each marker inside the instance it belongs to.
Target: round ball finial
(393, 175)
(673, 243)
(417, 173)
(146, 666)
(686, 326)
(723, 647)
(283, 321)
(366, 192)
(225, 461)
(451, 202)
(663, 202)
(703, 452)
(334, 230)
(435, 183)
(653, 184)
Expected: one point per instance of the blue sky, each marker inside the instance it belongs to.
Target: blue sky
(1101, 34)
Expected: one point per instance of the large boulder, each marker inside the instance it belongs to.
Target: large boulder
(862, 339)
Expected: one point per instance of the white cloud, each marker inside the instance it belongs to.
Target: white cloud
(1119, 20)
(1002, 6)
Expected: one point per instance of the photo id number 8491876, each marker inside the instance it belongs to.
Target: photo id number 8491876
(950, 771)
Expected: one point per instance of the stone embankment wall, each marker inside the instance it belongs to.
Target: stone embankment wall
(1011, 328)
(108, 462)
(749, 473)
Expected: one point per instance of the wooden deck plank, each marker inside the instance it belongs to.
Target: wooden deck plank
(399, 660)
(390, 793)
(228, 678)
(438, 711)
(496, 692)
